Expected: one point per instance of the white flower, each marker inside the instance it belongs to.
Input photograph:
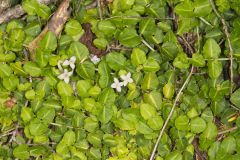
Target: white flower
(126, 79)
(65, 75)
(95, 59)
(117, 85)
(59, 65)
(70, 62)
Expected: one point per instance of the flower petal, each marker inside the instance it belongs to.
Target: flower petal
(66, 79)
(114, 85)
(121, 84)
(61, 76)
(129, 75)
(59, 65)
(123, 77)
(125, 83)
(130, 80)
(119, 89)
(73, 59)
(116, 80)
(66, 63)
(72, 65)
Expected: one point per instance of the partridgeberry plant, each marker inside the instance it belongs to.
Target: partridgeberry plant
(120, 80)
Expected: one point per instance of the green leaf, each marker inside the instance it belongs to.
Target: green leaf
(235, 98)
(181, 61)
(147, 111)
(82, 88)
(116, 60)
(182, 123)
(64, 89)
(33, 29)
(138, 56)
(150, 81)
(229, 145)
(79, 50)
(37, 127)
(5, 70)
(168, 90)
(151, 66)
(46, 114)
(42, 58)
(210, 132)
(129, 37)
(43, 11)
(198, 125)
(214, 68)
(69, 138)
(32, 69)
(95, 138)
(26, 114)
(107, 97)
(100, 43)
(104, 71)
(106, 27)
(202, 8)
(73, 28)
(106, 114)
(170, 50)
(17, 68)
(147, 26)
(175, 155)
(155, 122)
(30, 6)
(10, 83)
(153, 98)
(124, 124)
(49, 42)
(90, 124)
(21, 152)
(37, 151)
(211, 49)
(143, 128)
(198, 60)
(86, 70)
(185, 9)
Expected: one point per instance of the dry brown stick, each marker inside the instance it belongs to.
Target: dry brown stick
(228, 130)
(17, 11)
(4, 4)
(226, 32)
(55, 25)
(171, 113)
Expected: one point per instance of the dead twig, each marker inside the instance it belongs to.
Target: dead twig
(171, 112)
(228, 130)
(87, 39)
(198, 154)
(17, 11)
(226, 32)
(55, 25)
(5, 4)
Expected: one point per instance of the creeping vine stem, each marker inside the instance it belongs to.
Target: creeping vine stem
(171, 113)
(225, 29)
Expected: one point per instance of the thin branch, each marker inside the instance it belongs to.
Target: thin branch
(228, 130)
(226, 32)
(17, 11)
(91, 5)
(148, 45)
(55, 25)
(171, 113)
(99, 6)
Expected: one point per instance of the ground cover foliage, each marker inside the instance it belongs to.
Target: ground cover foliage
(122, 80)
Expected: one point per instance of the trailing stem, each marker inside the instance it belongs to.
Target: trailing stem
(226, 32)
(171, 113)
